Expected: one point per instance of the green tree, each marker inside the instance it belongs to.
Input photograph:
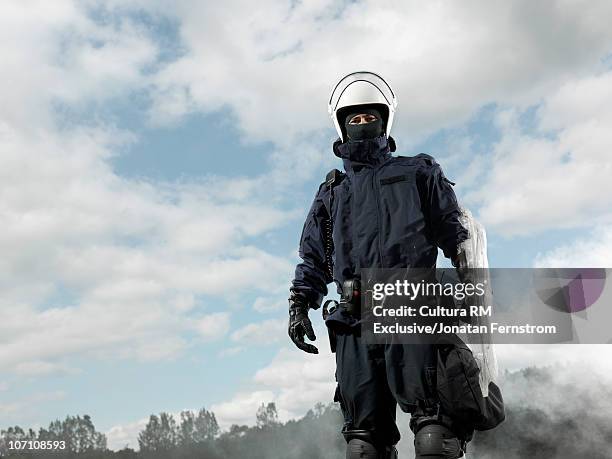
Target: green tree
(169, 431)
(13, 434)
(187, 428)
(236, 431)
(126, 453)
(79, 434)
(267, 416)
(160, 434)
(148, 438)
(206, 427)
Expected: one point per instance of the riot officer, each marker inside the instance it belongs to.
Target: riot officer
(383, 211)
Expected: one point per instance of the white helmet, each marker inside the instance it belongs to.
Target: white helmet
(361, 88)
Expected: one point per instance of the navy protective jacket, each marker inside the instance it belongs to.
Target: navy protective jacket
(387, 212)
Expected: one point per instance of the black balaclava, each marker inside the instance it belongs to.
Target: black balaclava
(357, 132)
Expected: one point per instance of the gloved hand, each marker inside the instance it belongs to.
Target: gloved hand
(460, 262)
(466, 276)
(300, 325)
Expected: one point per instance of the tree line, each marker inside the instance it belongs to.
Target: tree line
(547, 416)
(192, 435)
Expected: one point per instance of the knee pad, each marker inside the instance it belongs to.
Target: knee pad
(435, 441)
(360, 445)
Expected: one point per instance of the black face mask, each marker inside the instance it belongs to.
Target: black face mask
(356, 132)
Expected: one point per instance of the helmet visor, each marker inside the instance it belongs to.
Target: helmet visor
(372, 78)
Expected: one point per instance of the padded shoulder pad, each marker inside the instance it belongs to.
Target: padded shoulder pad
(427, 158)
(333, 177)
(421, 158)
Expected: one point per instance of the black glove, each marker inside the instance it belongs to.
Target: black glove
(300, 325)
(466, 276)
(464, 273)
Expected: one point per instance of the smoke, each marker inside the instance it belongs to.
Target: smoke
(553, 412)
(557, 412)
(561, 411)
(405, 448)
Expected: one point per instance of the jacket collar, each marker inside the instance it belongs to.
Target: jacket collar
(370, 152)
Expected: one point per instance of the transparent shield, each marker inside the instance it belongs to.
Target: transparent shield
(476, 255)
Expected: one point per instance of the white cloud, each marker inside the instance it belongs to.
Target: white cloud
(267, 304)
(136, 254)
(513, 357)
(38, 368)
(557, 176)
(7, 409)
(70, 225)
(274, 66)
(59, 53)
(231, 351)
(31, 404)
(294, 380)
(213, 326)
(94, 263)
(261, 333)
(241, 409)
(594, 250)
(123, 435)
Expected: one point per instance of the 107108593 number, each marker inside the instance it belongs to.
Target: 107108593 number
(36, 444)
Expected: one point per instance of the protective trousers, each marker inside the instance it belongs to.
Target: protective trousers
(373, 379)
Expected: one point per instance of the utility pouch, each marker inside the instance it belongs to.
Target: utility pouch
(351, 297)
(330, 331)
(459, 390)
(342, 317)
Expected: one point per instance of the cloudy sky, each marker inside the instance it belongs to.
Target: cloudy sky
(157, 159)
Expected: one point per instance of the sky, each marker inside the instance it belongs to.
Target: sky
(157, 160)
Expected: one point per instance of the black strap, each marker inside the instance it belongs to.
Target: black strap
(333, 178)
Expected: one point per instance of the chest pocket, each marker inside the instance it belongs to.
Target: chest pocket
(394, 179)
(400, 208)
